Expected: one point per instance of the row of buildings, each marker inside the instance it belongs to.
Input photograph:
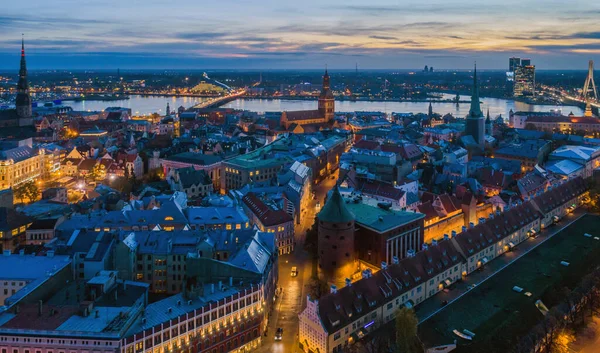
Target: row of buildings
(348, 312)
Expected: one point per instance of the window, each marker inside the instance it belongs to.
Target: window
(336, 336)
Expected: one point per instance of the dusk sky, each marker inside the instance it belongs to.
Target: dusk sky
(305, 34)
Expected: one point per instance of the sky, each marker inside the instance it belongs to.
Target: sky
(300, 34)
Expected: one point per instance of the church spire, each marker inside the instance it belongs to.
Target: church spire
(488, 115)
(23, 100)
(475, 110)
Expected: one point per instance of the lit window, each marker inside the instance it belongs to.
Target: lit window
(238, 226)
(168, 218)
(228, 226)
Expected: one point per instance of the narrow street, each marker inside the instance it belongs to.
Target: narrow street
(294, 289)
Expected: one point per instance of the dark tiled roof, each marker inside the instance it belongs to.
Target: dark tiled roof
(267, 216)
(337, 310)
(303, 115)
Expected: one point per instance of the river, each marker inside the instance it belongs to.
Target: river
(151, 104)
(139, 105)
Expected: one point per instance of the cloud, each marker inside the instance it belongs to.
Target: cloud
(383, 37)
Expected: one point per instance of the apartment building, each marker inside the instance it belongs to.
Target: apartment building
(345, 315)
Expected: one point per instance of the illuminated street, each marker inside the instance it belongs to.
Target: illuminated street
(291, 303)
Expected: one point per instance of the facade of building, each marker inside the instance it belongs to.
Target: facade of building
(323, 115)
(340, 318)
(524, 81)
(271, 220)
(195, 183)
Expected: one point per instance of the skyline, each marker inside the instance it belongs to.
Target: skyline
(241, 35)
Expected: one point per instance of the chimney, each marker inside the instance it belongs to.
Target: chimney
(454, 233)
(464, 229)
(395, 260)
(40, 307)
(383, 265)
(481, 220)
(50, 253)
(333, 289)
(434, 242)
(348, 282)
(220, 285)
(230, 281)
(97, 314)
(425, 246)
(471, 225)
(446, 237)
(21, 252)
(212, 288)
(410, 253)
(6, 253)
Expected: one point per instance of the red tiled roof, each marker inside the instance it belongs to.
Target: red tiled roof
(368, 145)
(338, 310)
(383, 190)
(303, 115)
(267, 216)
(428, 210)
(28, 317)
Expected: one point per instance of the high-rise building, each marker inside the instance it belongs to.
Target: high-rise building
(475, 120)
(525, 62)
(524, 80)
(513, 63)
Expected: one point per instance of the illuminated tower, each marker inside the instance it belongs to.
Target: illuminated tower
(475, 121)
(336, 239)
(23, 100)
(326, 100)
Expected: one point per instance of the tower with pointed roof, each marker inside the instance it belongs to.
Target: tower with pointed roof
(168, 111)
(336, 239)
(475, 121)
(23, 100)
(326, 100)
(488, 124)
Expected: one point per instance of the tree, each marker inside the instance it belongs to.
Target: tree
(97, 172)
(407, 340)
(154, 175)
(27, 190)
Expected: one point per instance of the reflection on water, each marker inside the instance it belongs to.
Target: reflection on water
(139, 104)
(153, 104)
(496, 106)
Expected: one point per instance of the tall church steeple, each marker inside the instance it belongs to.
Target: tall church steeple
(475, 110)
(475, 122)
(23, 100)
(326, 99)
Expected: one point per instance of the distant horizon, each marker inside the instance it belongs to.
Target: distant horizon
(311, 70)
(276, 34)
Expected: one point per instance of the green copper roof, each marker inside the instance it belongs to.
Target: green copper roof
(475, 111)
(335, 210)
